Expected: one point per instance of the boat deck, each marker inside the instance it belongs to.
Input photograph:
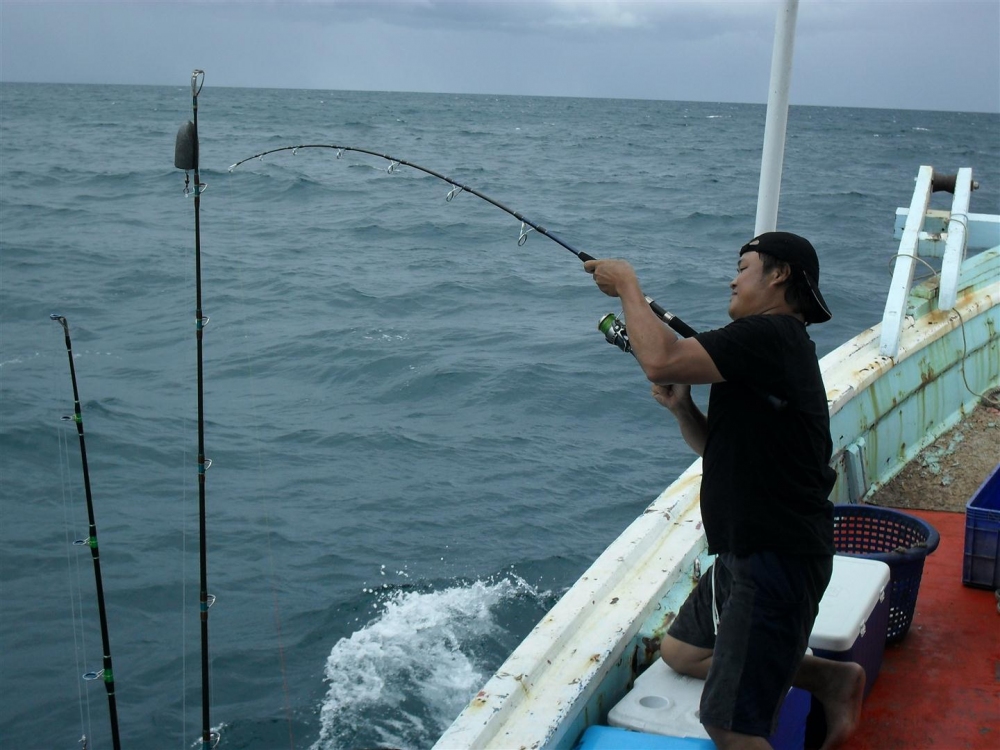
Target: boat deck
(939, 687)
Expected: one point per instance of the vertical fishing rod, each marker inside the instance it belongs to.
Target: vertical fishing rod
(186, 158)
(106, 672)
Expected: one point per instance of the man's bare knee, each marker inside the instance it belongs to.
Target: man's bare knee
(684, 658)
(671, 652)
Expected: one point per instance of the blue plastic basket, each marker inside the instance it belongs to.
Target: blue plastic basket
(898, 539)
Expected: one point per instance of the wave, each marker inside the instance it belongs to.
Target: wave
(398, 680)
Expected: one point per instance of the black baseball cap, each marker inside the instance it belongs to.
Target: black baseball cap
(799, 253)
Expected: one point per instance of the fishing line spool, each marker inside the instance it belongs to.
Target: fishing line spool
(613, 328)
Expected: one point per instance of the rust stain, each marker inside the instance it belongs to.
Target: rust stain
(522, 682)
(927, 376)
(651, 649)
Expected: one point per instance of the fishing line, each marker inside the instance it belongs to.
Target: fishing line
(262, 498)
(106, 673)
(933, 271)
(989, 397)
(73, 566)
(264, 501)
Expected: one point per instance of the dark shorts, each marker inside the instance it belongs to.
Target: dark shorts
(767, 603)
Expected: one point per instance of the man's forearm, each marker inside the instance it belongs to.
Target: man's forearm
(651, 339)
(693, 424)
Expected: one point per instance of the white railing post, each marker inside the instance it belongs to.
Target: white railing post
(954, 249)
(777, 119)
(906, 262)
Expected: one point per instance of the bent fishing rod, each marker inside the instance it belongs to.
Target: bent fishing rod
(186, 158)
(612, 327)
(107, 673)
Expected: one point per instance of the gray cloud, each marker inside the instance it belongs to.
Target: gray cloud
(922, 54)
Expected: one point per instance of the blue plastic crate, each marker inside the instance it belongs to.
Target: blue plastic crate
(981, 564)
(614, 738)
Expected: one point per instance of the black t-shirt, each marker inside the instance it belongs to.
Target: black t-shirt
(766, 471)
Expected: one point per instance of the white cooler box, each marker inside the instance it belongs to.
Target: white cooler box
(666, 703)
(854, 615)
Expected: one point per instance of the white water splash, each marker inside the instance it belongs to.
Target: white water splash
(405, 675)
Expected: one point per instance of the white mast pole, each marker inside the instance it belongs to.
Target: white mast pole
(777, 118)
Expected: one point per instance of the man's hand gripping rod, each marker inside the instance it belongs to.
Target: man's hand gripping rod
(612, 326)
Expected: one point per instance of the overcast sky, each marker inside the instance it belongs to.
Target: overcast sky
(912, 54)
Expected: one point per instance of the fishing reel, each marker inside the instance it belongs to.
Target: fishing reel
(613, 328)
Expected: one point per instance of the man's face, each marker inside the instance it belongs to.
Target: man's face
(752, 291)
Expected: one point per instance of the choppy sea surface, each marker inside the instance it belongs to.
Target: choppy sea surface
(418, 437)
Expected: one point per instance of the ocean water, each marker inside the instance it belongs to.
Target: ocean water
(419, 439)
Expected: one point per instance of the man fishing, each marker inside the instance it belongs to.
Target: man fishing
(766, 449)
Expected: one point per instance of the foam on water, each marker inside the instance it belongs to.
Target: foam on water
(404, 676)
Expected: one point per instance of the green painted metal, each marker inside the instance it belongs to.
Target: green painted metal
(898, 407)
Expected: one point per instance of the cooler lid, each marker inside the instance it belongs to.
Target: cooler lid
(856, 586)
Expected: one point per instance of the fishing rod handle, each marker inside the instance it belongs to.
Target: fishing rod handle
(671, 320)
(687, 332)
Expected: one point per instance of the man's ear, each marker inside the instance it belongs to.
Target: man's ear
(781, 274)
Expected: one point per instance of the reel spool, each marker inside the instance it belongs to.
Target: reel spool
(613, 328)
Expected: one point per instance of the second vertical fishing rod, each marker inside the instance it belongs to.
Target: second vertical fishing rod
(106, 673)
(186, 158)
